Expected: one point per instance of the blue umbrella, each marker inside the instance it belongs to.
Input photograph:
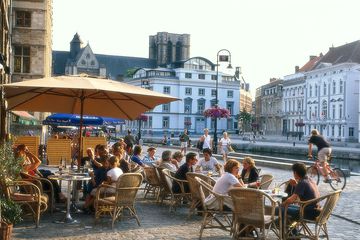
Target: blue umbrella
(65, 119)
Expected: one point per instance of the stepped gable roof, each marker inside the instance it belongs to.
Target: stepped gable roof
(310, 64)
(349, 52)
(115, 65)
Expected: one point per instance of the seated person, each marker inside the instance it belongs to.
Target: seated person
(119, 152)
(177, 158)
(113, 174)
(30, 166)
(136, 157)
(249, 174)
(305, 189)
(209, 163)
(150, 157)
(224, 183)
(191, 160)
(166, 161)
(98, 176)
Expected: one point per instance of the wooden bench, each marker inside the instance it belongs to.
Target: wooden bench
(58, 149)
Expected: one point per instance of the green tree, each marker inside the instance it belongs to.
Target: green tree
(245, 119)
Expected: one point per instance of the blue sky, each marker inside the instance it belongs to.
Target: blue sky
(267, 38)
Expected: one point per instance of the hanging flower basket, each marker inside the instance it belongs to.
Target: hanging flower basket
(216, 112)
(299, 124)
(143, 117)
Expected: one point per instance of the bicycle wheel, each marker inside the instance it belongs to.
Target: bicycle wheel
(338, 179)
(313, 173)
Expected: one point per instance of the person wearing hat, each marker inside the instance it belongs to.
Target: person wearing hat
(324, 151)
(150, 156)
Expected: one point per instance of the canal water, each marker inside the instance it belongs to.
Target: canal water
(352, 165)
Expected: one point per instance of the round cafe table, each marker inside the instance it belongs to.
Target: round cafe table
(70, 179)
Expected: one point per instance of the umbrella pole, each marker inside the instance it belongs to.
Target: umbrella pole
(80, 132)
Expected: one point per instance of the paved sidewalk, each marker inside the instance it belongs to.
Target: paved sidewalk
(158, 223)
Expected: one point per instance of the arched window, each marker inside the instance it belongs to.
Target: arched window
(324, 109)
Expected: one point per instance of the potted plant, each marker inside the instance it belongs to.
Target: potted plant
(10, 168)
(10, 213)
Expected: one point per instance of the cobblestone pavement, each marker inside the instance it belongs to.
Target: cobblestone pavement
(158, 223)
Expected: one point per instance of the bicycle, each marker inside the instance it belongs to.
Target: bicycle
(337, 178)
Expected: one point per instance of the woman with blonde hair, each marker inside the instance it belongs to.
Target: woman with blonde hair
(225, 142)
(249, 174)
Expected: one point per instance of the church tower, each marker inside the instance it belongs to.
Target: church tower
(169, 47)
(75, 46)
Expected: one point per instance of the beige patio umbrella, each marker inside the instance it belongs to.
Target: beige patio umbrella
(82, 95)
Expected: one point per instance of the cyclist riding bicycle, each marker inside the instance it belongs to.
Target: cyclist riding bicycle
(324, 151)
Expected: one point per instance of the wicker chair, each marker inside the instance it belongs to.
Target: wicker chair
(40, 182)
(249, 213)
(29, 196)
(194, 189)
(175, 198)
(152, 182)
(127, 187)
(265, 181)
(328, 203)
(164, 188)
(214, 216)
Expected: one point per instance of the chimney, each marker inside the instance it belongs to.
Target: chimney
(297, 69)
(312, 57)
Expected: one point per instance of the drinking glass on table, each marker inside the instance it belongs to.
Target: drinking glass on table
(276, 188)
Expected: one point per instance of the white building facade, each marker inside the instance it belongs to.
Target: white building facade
(293, 103)
(193, 81)
(332, 101)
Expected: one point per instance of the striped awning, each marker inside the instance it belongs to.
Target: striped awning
(23, 114)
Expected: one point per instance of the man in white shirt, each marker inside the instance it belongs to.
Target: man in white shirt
(208, 163)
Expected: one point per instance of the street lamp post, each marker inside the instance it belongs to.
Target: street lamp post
(223, 58)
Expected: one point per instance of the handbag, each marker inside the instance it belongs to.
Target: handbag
(200, 145)
(230, 148)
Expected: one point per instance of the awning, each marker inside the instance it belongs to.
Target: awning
(24, 114)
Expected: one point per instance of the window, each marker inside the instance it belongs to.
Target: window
(201, 106)
(339, 133)
(310, 91)
(316, 90)
(213, 92)
(285, 106)
(150, 121)
(230, 107)
(213, 77)
(351, 131)
(188, 91)
(341, 86)
(23, 19)
(165, 122)
(332, 130)
(316, 112)
(334, 87)
(201, 76)
(166, 107)
(188, 75)
(230, 93)
(324, 110)
(167, 90)
(310, 113)
(201, 91)
(333, 111)
(325, 88)
(340, 111)
(187, 122)
(187, 105)
(22, 59)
